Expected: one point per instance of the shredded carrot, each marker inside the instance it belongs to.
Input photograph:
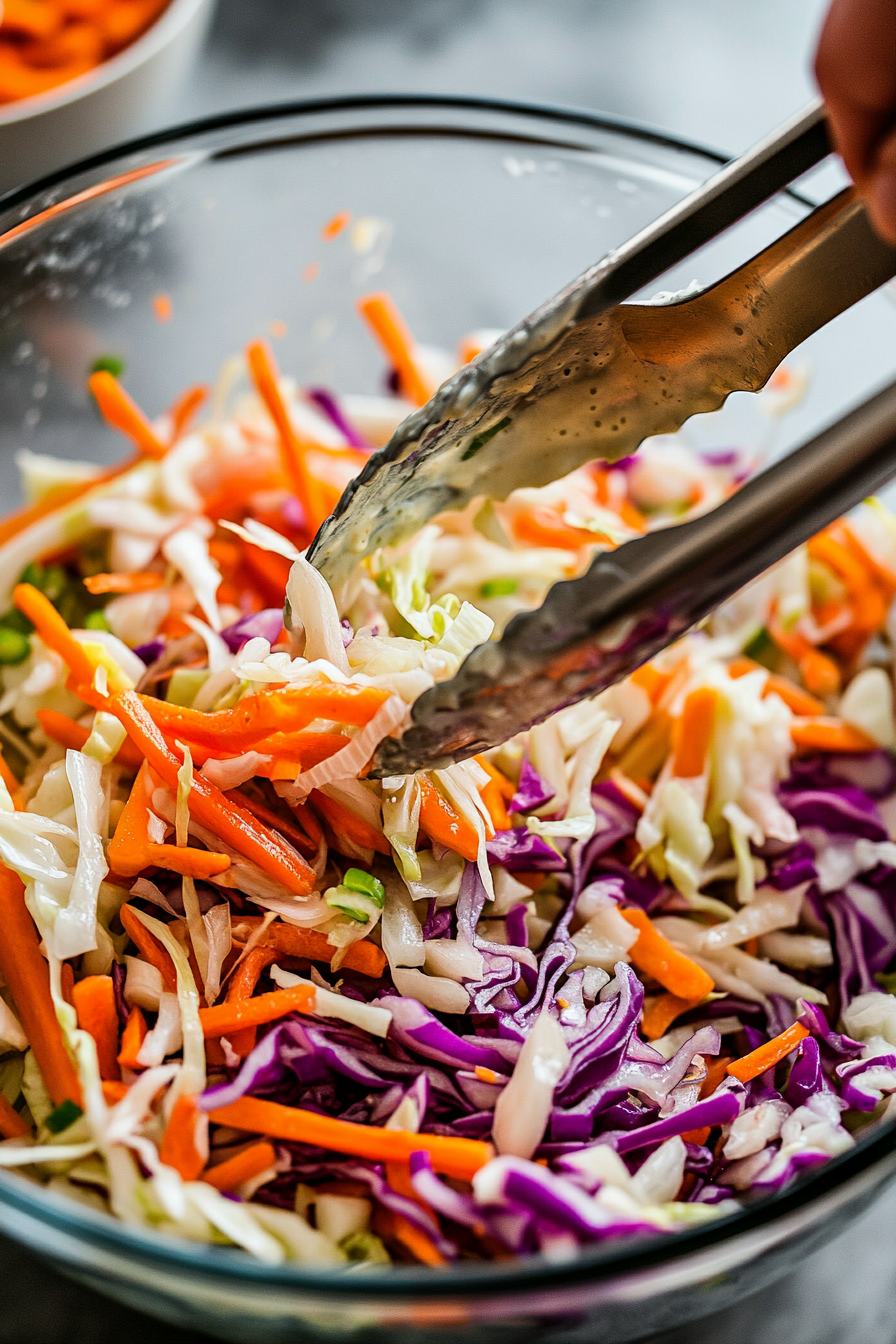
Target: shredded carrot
(795, 698)
(122, 413)
(242, 1167)
(347, 825)
(413, 1238)
(543, 526)
(179, 1148)
(766, 1056)
(491, 795)
(460, 1158)
(294, 449)
(294, 834)
(113, 1093)
(716, 1070)
(60, 728)
(256, 717)
(182, 411)
(442, 823)
(162, 307)
(210, 806)
(334, 226)
(290, 941)
(12, 1126)
(387, 324)
(697, 721)
(123, 583)
(651, 680)
(28, 977)
(11, 783)
(150, 950)
(131, 849)
(829, 734)
(697, 1136)
(132, 1038)
(659, 1014)
(53, 630)
(94, 1002)
(820, 673)
(242, 987)
(506, 787)
(225, 1018)
(654, 955)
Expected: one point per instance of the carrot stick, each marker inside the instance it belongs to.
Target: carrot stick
(53, 631)
(828, 734)
(440, 822)
(181, 411)
(411, 1237)
(506, 787)
(11, 783)
(179, 1148)
(122, 413)
(387, 324)
(294, 834)
(113, 1093)
(94, 1002)
(209, 805)
(28, 977)
(348, 824)
(820, 673)
(12, 1126)
(697, 721)
(98, 584)
(149, 949)
(543, 526)
(651, 680)
(237, 1170)
(491, 795)
(654, 955)
(290, 941)
(716, 1070)
(766, 1056)
(60, 728)
(242, 987)
(659, 1014)
(294, 449)
(258, 716)
(132, 1038)
(131, 849)
(461, 1158)
(225, 1018)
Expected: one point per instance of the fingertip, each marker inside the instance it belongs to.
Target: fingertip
(882, 203)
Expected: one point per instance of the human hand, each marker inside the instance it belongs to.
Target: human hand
(855, 66)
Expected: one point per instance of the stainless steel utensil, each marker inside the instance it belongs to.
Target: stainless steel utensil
(587, 377)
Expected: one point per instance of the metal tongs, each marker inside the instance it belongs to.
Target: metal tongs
(585, 377)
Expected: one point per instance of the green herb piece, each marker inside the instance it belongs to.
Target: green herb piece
(113, 364)
(14, 647)
(760, 646)
(498, 587)
(96, 620)
(51, 580)
(16, 620)
(357, 880)
(364, 1246)
(482, 439)
(64, 1115)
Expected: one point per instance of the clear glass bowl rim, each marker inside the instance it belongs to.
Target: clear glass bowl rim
(604, 1261)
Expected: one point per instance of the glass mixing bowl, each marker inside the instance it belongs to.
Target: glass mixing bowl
(470, 213)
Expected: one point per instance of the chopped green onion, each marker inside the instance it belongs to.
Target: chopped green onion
(759, 646)
(14, 647)
(96, 620)
(364, 1246)
(113, 364)
(357, 905)
(498, 587)
(64, 1115)
(480, 440)
(357, 880)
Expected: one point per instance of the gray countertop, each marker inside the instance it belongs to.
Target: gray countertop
(721, 72)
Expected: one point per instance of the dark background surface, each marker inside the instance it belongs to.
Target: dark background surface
(721, 72)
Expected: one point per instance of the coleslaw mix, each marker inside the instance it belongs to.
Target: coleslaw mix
(617, 977)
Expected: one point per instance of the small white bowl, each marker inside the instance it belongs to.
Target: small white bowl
(115, 101)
